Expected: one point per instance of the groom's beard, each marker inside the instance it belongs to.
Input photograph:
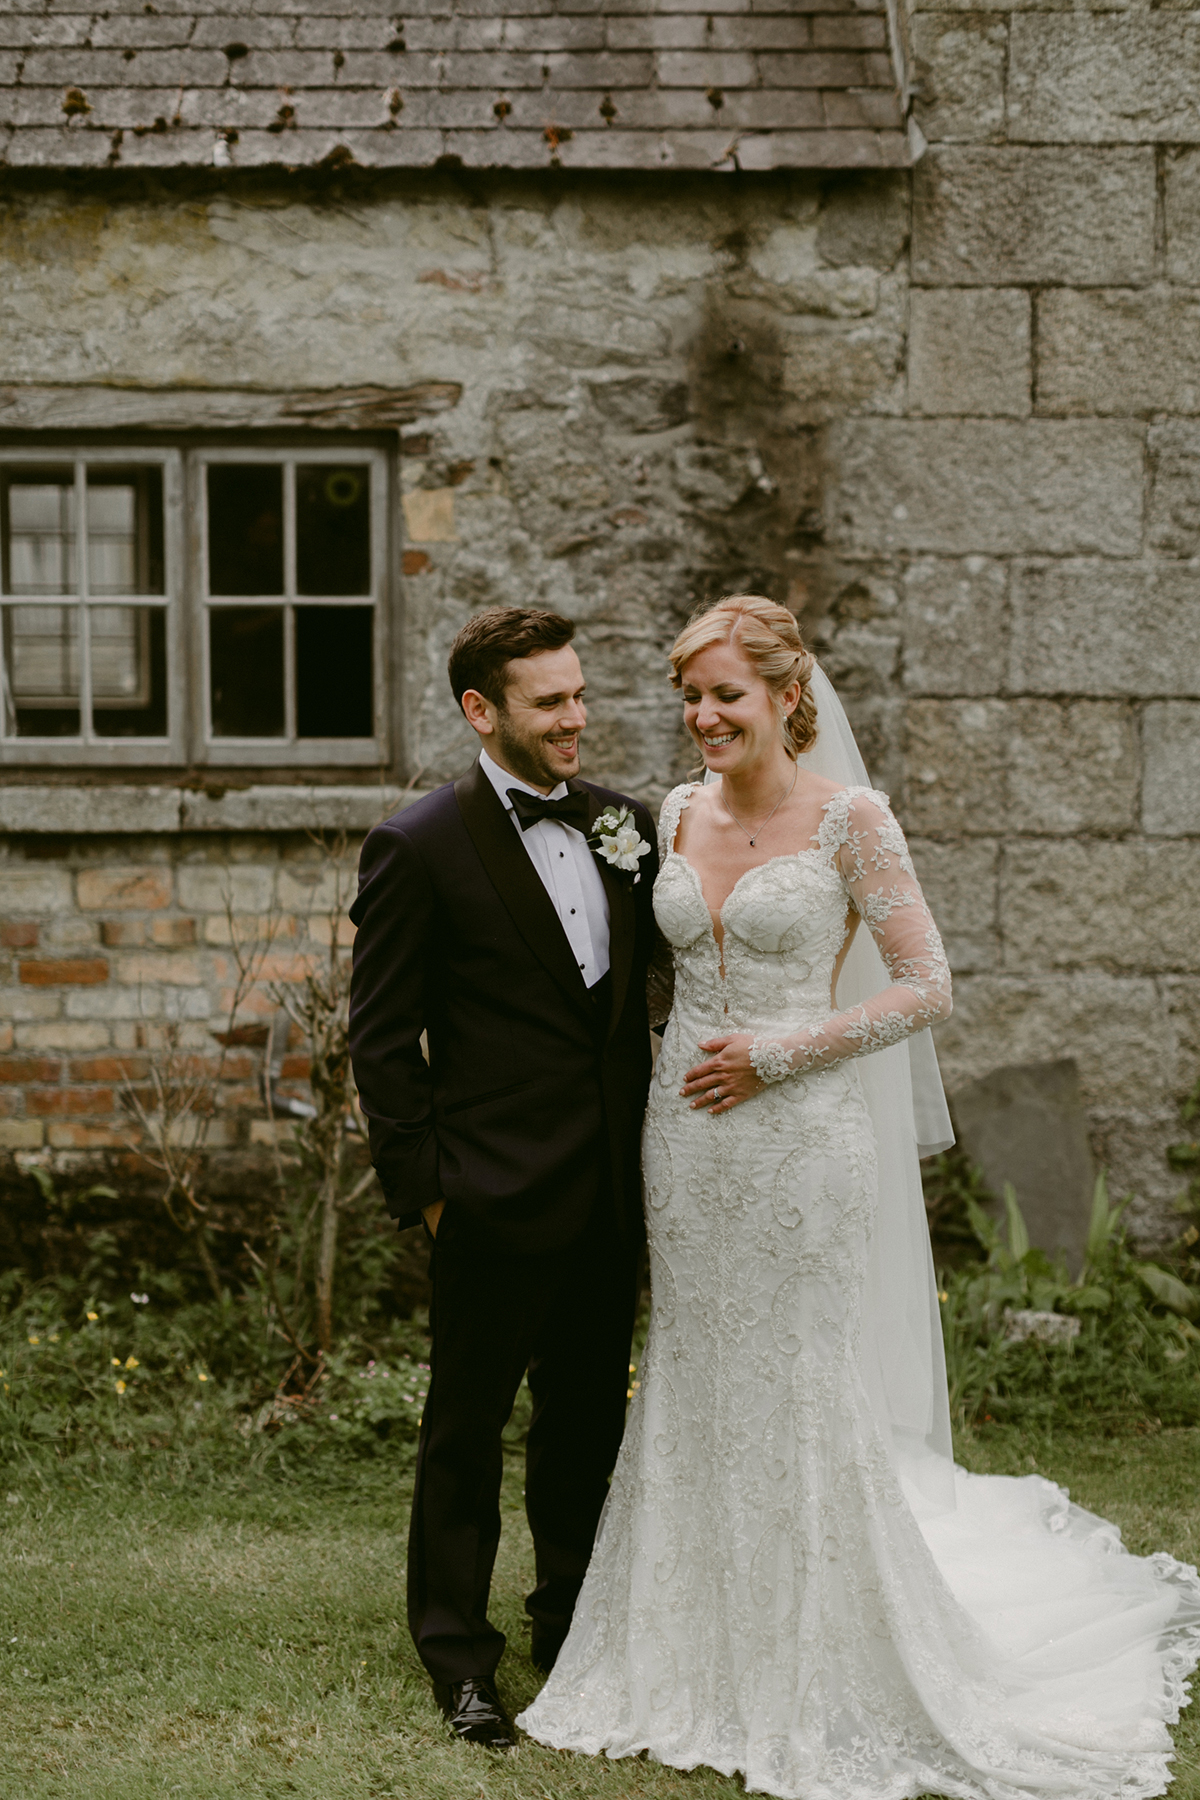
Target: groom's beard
(527, 755)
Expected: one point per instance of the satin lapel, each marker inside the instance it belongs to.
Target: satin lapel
(517, 882)
(622, 919)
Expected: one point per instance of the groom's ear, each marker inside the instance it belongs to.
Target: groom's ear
(479, 712)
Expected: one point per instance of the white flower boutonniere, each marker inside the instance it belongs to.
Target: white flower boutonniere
(615, 837)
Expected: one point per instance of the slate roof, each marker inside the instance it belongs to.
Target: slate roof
(518, 84)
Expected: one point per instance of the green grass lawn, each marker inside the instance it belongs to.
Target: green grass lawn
(210, 1635)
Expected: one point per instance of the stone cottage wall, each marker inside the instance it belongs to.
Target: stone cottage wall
(952, 418)
(1017, 591)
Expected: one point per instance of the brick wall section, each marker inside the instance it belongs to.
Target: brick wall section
(102, 950)
(528, 84)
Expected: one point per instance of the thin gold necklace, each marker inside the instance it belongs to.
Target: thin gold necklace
(770, 815)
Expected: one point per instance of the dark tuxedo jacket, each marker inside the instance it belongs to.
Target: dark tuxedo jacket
(530, 1107)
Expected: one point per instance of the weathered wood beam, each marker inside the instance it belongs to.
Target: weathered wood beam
(97, 408)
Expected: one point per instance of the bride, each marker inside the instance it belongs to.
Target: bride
(791, 1580)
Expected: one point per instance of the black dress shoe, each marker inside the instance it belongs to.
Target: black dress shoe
(476, 1714)
(544, 1647)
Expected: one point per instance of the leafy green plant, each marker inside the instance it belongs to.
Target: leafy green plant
(370, 1403)
(1135, 1352)
(950, 1181)
(86, 1371)
(1185, 1158)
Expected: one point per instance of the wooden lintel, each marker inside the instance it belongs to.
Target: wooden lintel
(95, 408)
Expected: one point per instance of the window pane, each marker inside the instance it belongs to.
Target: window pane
(39, 532)
(246, 662)
(129, 670)
(333, 528)
(334, 688)
(41, 671)
(125, 531)
(245, 528)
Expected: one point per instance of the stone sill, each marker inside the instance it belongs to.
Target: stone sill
(72, 810)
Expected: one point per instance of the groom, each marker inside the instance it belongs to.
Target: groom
(490, 918)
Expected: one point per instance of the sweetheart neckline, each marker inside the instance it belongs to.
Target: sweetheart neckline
(784, 856)
(719, 918)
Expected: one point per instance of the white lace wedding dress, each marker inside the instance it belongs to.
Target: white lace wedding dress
(766, 1595)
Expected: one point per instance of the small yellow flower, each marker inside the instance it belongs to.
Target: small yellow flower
(942, 1294)
(54, 1339)
(35, 1340)
(203, 1377)
(116, 1362)
(120, 1387)
(131, 1362)
(93, 1317)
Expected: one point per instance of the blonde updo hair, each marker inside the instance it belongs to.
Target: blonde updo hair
(770, 637)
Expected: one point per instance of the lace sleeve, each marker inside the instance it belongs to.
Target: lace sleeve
(868, 846)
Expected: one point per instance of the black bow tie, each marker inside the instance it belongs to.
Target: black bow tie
(571, 809)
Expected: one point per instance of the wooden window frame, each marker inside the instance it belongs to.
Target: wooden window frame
(289, 751)
(185, 601)
(91, 748)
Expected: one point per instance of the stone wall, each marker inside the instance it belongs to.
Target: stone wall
(952, 418)
(1013, 563)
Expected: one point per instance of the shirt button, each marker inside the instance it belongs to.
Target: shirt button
(581, 965)
(572, 912)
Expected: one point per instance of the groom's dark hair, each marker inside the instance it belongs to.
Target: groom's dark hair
(497, 636)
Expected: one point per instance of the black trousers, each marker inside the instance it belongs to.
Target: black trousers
(566, 1319)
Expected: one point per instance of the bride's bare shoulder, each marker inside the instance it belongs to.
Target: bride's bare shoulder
(695, 801)
(820, 787)
(701, 795)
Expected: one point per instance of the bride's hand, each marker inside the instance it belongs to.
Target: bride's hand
(727, 1078)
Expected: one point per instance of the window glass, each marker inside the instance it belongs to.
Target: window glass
(246, 671)
(41, 665)
(39, 532)
(46, 658)
(125, 531)
(245, 528)
(334, 685)
(129, 670)
(333, 528)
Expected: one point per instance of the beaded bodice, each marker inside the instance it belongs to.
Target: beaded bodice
(784, 925)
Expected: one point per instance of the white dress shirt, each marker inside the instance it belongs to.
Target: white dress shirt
(567, 870)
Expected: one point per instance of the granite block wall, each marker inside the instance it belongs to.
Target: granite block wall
(1015, 601)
